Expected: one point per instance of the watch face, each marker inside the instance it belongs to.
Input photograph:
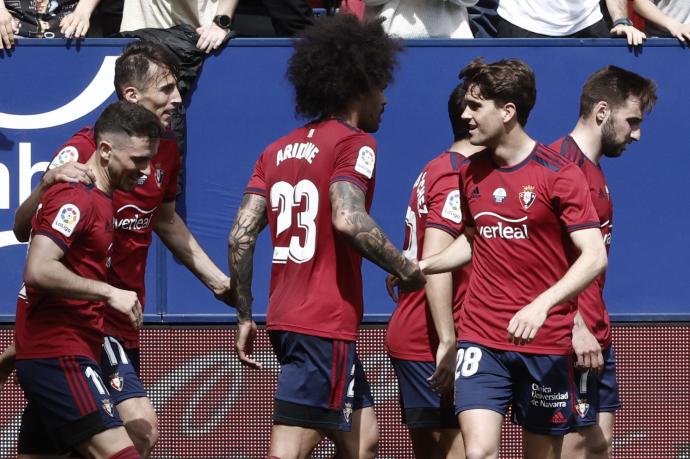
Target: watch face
(223, 21)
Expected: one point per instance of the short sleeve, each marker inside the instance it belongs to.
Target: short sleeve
(443, 201)
(257, 182)
(572, 201)
(63, 215)
(79, 148)
(355, 161)
(172, 187)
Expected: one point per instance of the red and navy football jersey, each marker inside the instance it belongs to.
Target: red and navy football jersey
(134, 220)
(522, 216)
(79, 220)
(591, 300)
(434, 203)
(316, 281)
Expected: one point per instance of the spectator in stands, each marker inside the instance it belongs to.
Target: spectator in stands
(356, 7)
(665, 18)
(423, 18)
(44, 19)
(272, 18)
(565, 19)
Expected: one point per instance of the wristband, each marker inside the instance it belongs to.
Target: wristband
(622, 21)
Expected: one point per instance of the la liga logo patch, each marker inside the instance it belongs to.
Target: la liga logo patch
(366, 161)
(66, 219)
(66, 155)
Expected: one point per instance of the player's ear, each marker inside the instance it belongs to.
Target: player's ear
(602, 111)
(131, 94)
(509, 112)
(105, 149)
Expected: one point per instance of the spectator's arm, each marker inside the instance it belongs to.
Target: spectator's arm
(212, 36)
(618, 9)
(8, 27)
(76, 24)
(7, 359)
(650, 12)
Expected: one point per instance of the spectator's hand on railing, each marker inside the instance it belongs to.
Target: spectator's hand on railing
(680, 31)
(635, 37)
(75, 25)
(211, 37)
(8, 28)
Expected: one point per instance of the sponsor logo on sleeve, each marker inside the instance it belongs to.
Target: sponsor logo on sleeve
(451, 209)
(66, 219)
(66, 155)
(366, 161)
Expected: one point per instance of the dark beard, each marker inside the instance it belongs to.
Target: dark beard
(609, 147)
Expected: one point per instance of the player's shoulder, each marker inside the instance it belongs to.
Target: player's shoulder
(77, 148)
(68, 192)
(168, 149)
(568, 148)
(448, 162)
(549, 159)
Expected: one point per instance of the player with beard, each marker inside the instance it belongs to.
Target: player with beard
(145, 74)
(612, 106)
(314, 188)
(59, 328)
(522, 207)
(420, 337)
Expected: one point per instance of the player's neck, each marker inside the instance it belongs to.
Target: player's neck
(465, 148)
(513, 148)
(100, 172)
(588, 139)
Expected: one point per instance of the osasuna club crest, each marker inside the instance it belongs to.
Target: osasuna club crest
(582, 407)
(527, 196)
(107, 406)
(116, 382)
(159, 175)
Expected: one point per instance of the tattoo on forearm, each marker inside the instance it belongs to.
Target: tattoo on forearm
(365, 235)
(251, 219)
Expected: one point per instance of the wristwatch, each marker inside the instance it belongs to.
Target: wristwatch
(223, 21)
(622, 21)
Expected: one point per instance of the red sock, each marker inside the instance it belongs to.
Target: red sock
(128, 453)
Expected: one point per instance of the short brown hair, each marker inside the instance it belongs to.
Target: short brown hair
(507, 80)
(614, 85)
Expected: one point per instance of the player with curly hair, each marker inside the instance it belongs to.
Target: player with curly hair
(314, 188)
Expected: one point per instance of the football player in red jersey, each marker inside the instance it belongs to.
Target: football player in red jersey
(313, 188)
(520, 203)
(59, 327)
(420, 337)
(612, 106)
(145, 74)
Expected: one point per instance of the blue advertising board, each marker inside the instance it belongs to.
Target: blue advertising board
(243, 102)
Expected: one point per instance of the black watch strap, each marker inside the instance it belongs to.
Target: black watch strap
(223, 21)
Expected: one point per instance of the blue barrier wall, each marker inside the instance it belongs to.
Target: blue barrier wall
(242, 102)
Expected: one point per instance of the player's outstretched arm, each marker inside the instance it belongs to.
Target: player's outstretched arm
(350, 218)
(250, 220)
(176, 236)
(439, 297)
(591, 263)
(7, 364)
(455, 256)
(45, 271)
(70, 172)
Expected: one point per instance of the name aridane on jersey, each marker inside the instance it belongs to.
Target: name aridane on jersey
(315, 280)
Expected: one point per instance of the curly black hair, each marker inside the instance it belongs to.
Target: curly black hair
(337, 60)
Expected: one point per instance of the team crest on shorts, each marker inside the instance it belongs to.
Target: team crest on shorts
(347, 411)
(582, 407)
(527, 196)
(117, 382)
(107, 406)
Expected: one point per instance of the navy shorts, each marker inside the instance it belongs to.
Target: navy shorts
(596, 393)
(68, 403)
(538, 386)
(321, 382)
(120, 368)
(422, 408)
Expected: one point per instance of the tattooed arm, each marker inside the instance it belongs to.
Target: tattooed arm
(350, 218)
(250, 220)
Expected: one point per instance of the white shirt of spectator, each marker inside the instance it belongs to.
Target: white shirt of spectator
(556, 18)
(163, 14)
(676, 9)
(423, 18)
